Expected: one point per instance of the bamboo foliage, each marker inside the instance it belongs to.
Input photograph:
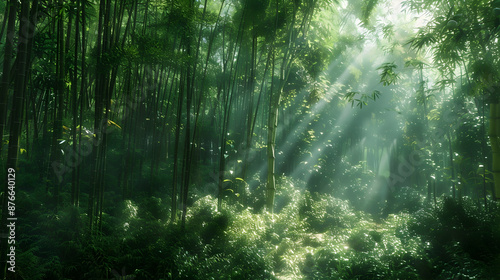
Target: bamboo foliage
(158, 72)
(22, 65)
(153, 90)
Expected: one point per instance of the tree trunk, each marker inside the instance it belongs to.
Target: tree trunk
(74, 93)
(100, 87)
(175, 175)
(7, 59)
(452, 166)
(275, 100)
(272, 125)
(55, 155)
(495, 145)
(25, 33)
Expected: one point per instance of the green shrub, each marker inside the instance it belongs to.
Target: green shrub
(461, 237)
(322, 212)
(362, 241)
(404, 199)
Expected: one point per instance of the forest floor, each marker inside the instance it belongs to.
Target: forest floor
(310, 236)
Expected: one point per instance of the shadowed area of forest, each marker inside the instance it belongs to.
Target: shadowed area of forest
(250, 139)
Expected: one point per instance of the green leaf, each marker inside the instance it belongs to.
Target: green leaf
(110, 122)
(388, 76)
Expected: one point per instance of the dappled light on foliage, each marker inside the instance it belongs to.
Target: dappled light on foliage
(250, 139)
(313, 236)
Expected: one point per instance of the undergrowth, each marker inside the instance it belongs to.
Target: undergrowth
(310, 236)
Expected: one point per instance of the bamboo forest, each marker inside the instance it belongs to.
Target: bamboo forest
(250, 139)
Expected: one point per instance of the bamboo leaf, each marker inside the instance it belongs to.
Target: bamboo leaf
(110, 122)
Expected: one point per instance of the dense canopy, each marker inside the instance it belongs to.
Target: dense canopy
(250, 139)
